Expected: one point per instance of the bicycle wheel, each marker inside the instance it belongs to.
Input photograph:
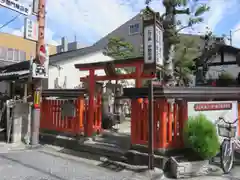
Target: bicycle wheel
(226, 156)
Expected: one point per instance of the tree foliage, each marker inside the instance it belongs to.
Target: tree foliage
(118, 48)
(201, 136)
(186, 51)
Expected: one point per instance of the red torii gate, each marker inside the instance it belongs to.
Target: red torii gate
(109, 68)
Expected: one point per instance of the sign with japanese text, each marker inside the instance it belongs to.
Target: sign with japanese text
(159, 46)
(149, 45)
(215, 109)
(31, 30)
(153, 45)
(212, 106)
(17, 6)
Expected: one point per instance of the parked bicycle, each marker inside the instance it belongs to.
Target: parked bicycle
(228, 131)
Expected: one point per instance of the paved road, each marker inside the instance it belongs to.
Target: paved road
(41, 165)
(48, 164)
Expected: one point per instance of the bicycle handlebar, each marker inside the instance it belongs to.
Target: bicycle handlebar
(222, 119)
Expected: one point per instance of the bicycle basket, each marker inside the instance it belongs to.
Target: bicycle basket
(226, 130)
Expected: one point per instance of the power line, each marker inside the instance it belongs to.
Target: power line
(10, 21)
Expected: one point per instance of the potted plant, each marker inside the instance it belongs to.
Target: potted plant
(201, 142)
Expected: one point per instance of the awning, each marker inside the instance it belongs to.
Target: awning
(15, 72)
(13, 76)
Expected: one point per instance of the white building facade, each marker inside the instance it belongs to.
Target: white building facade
(63, 74)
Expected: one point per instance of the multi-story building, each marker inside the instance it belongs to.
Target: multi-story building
(16, 49)
(130, 31)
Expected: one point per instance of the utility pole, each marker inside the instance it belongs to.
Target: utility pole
(230, 38)
(37, 83)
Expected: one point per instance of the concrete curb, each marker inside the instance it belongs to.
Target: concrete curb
(73, 144)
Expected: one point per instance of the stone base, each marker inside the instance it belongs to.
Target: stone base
(161, 151)
(141, 158)
(186, 169)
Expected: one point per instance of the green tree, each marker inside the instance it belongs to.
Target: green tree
(118, 48)
(186, 51)
(172, 27)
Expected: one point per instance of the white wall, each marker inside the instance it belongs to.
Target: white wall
(73, 75)
(215, 71)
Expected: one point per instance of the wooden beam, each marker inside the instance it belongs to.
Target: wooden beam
(102, 65)
(120, 77)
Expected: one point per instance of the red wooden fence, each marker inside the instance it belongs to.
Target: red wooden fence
(51, 118)
(168, 123)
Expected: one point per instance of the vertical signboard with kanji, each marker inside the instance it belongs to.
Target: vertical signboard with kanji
(153, 45)
(149, 45)
(152, 41)
(31, 30)
(159, 46)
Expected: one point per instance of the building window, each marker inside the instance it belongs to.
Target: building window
(134, 29)
(10, 54)
(22, 56)
(3, 53)
(16, 55)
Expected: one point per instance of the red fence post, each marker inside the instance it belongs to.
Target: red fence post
(163, 123)
(133, 121)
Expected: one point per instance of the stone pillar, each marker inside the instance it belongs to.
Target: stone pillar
(20, 123)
